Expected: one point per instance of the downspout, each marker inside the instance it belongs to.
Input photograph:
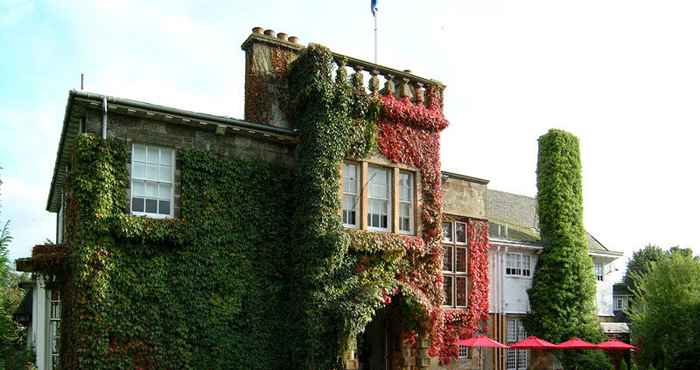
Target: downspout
(104, 117)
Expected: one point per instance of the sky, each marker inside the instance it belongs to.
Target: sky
(622, 75)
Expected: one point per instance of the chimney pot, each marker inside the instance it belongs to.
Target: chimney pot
(293, 39)
(282, 36)
(258, 30)
(270, 33)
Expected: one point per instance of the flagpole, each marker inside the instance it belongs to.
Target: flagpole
(375, 38)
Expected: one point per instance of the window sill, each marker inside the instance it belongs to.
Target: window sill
(151, 215)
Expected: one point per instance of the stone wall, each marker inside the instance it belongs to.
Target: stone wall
(463, 197)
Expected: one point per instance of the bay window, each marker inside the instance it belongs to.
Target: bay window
(518, 264)
(152, 178)
(378, 198)
(599, 271)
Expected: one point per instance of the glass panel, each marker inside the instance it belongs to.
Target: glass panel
(151, 189)
(526, 265)
(139, 171)
(152, 154)
(350, 178)
(349, 205)
(139, 153)
(166, 156)
(165, 174)
(378, 183)
(447, 231)
(164, 191)
(151, 205)
(137, 205)
(152, 172)
(447, 259)
(164, 207)
(461, 232)
(461, 259)
(406, 187)
(448, 290)
(138, 189)
(461, 291)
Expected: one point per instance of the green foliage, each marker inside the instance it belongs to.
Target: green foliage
(634, 366)
(639, 264)
(666, 314)
(623, 365)
(562, 297)
(335, 121)
(202, 291)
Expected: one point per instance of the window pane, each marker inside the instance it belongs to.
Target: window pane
(151, 189)
(378, 183)
(139, 153)
(461, 291)
(152, 154)
(461, 232)
(165, 174)
(137, 204)
(461, 259)
(139, 171)
(406, 187)
(447, 231)
(448, 290)
(350, 178)
(152, 172)
(138, 189)
(164, 207)
(349, 209)
(526, 265)
(151, 205)
(166, 156)
(447, 259)
(164, 191)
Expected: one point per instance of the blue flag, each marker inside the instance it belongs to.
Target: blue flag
(374, 7)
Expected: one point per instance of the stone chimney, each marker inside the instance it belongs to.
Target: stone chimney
(267, 58)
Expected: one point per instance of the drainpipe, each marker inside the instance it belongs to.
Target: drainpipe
(104, 117)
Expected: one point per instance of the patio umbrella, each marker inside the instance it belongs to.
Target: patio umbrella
(616, 345)
(481, 341)
(576, 343)
(533, 342)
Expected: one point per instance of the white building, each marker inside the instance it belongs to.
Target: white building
(514, 249)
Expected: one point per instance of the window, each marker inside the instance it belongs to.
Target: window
(599, 272)
(379, 198)
(406, 202)
(621, 302)
(516, 359)
(152, 177)
(464, 352)
(54, 326)
(518, 264)
(350, 194)
(454, 263)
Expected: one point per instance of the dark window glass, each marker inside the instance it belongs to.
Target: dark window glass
(447, 231)
(461, 232)
(461, 291)
(447, 259)
(164, 207)
(137, 205)
(151, 205)
(448, 290)
(461, 260)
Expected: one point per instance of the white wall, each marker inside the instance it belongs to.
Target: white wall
(604, 289)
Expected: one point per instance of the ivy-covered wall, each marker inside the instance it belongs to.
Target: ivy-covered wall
(202, 291)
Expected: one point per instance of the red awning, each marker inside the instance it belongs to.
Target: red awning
(576, 343)
(616, 345)
(481, 341)
(533, 342)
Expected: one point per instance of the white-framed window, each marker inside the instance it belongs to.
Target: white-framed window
(464, 352)
(152, 180)
(519, 264)
(379, 198)
(621, 302)
(406, 202)
(454, 264)
(351, 194)
(54, 326)
(599, 271)
(516, 359)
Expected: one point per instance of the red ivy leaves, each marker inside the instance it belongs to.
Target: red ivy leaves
(410, 134)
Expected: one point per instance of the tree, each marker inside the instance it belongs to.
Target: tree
(562, 297)
(639, 264)
(666, 314)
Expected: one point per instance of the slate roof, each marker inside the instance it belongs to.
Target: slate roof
(519, 212)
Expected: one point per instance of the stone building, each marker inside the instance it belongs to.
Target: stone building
(81, 317)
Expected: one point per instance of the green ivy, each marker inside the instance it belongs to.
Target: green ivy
(202, 291)
(562, 297)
